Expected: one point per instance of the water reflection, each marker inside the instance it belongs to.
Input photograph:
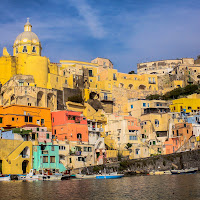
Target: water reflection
(137, 187)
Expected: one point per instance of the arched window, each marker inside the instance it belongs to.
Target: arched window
(34, 49)
(79, 136)
(24, 49)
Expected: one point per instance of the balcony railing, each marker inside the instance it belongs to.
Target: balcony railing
(95, 129)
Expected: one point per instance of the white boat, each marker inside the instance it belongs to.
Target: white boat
(85, 176)
(5, 178)
(50, 177)
(185, 171)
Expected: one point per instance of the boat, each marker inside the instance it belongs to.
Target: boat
(113, 175)
(55, 177)
(85, 176)
(30, 176)
(185, 171)
(5, 178)
(159, 172)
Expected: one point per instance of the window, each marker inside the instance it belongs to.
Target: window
(57, 79)
(79, 136)
(144, 104)
(16, 50)
(38, 129)
(34, 49)
(105, 96)
(154, 142)
(26, 119)
(47, 136)
(63, 73)
(21, 83)
(90, 72)
(1, 119)
(131, 106)
(33, 136)
(156, 122)
(137, 151)
(177, 132)
(187, 131)
(55, 132)
(65, 81)
(184, 125)
(70, 160)
(132, 137)
(24, 49)
(189, 108)
(154, 80)
(52, 159)
(45, 159)
(114, 77)
(89, 149)
(81, 159)
(85, 149)
(29, 104)
(52, 148)
(30, 119)
(149, 80)
(13, 119)
(42, 121)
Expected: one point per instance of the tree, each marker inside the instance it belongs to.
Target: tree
(128, 145)
(132, 72)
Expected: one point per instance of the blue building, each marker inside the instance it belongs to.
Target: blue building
(46, 157)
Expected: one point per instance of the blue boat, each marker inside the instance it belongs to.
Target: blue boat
(109, 176)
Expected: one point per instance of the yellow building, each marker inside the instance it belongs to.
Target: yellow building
(137, 108)
(191, 104)
(15, 156)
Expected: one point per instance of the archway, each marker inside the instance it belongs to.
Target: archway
(130, 86)
(50, 103)
(39, 98)
(24, 166)
(142, 87)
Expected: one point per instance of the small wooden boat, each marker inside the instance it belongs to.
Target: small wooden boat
(159, 172)
(5, 178)
(113, 175)
(185, 171)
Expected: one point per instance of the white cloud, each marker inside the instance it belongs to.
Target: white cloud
(90, 17)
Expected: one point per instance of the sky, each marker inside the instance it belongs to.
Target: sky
(125, 31)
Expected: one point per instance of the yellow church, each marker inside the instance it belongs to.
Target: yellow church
(27, 78)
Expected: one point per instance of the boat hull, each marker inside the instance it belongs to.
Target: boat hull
(84, 176)
(5, 178)
(109, 176)
(185, 171)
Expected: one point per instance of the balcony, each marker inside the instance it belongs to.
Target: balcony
(95, 129)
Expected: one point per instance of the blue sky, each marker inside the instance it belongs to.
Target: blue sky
(125, 31)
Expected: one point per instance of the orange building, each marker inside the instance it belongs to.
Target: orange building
(182, 132)
(18, 115)
(69, 125)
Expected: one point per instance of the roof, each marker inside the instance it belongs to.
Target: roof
(29, 35)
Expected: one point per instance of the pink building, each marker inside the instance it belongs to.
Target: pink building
(42, 134)
(69, 125)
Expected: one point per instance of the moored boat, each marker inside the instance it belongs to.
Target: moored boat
(185, 171)
(5, 178)
(85, 176)
(109, 176)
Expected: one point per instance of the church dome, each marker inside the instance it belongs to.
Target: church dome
(27, 34)
(27, 42)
